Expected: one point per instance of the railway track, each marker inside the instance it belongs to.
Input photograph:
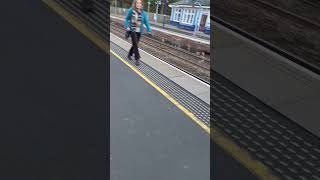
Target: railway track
(300, 19)
(178, 53)
(174, 51)
(181, 51)
(200, 64)
(288, 34)
(308, 9)
(167, 50)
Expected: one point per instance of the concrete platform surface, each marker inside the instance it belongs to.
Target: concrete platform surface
(290, 89)
(191, 84)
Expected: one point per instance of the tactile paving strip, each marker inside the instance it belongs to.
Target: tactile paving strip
(288, 149)
(195, 105)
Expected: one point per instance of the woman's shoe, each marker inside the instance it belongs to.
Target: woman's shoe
(129, 57)
(137, 63)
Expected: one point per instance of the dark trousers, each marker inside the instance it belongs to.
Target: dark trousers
(135, 37)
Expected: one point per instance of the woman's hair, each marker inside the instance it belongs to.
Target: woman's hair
(134, 4)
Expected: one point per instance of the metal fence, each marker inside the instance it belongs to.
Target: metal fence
(151, 16)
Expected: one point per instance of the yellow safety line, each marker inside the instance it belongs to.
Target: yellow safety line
(241, 155)
(171, 99)
(80, 26)
(254, 166)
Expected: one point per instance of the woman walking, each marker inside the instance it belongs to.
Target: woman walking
(134, 22)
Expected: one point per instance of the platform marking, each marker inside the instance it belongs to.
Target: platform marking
(166, 95)
(241, 155)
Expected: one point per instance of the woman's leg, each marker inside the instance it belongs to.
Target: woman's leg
(135, 47)
(138, 35)
(130, 52)
(137, 54)
(134, 43)
(131, 49)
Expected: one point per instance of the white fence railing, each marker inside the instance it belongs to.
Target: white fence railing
(151, 16)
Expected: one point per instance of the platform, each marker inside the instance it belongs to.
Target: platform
(150, 137)
(237, 160)
(178, 95)
(153, 133)
(53, 115)
(267, 104)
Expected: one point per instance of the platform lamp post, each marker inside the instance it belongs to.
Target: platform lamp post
(115, 7)
(196, 28)
(158, 2)
(165, 2)
(148, 8)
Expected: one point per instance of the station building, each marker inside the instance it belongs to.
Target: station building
(186, 14)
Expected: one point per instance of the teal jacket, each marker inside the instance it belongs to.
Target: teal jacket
(144, 20)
